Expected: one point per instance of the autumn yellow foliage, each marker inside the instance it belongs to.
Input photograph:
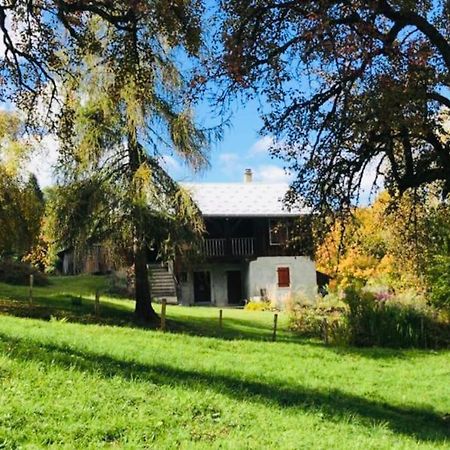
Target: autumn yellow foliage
(374, 246)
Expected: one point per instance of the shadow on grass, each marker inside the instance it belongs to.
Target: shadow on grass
(79, 309)
(232, 329)
(61, 306)
(76, 309)
(419, 423)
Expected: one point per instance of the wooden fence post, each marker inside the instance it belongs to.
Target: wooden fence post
(220, 318)
(275, 321)
(30, 298)
(325, 331)
(97, 304)
(163, 314)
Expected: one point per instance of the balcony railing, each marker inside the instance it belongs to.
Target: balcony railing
(242, 246)
(229, 247)
(214, 247)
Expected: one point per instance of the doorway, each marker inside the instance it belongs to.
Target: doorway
(202, 287)
(234, 287)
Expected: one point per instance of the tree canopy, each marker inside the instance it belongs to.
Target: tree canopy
(109, 75)
(406, 249)
(352, 86)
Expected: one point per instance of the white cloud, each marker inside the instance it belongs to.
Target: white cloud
(230, 163)
(261, 146)
(228, 158)
(271, 173)
(371, 182)
(43, 160)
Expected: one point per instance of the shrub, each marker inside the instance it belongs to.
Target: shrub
(380, 320)
(364, 318)
(439, 281)
(258, 305)
(118, 284)
(309, 319)
(16, 272)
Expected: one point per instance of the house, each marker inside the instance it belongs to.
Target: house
(254, 247)
(95, 259)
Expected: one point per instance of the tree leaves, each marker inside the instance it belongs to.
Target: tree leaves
(348, 87)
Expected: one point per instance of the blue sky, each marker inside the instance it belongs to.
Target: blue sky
(241, 147)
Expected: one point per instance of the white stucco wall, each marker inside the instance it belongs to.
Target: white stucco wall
(262, 274)
(218, 274)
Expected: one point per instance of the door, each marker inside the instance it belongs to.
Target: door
(202, 287)
(234, 287)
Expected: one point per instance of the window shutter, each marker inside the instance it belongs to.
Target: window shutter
(283, 277)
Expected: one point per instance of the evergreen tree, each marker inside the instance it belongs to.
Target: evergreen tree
(113, 70)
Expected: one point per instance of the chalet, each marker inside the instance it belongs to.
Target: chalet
(254, 247)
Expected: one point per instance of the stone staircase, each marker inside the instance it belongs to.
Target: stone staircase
(162, 283)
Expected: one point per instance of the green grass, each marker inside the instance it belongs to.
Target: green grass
(84, 385)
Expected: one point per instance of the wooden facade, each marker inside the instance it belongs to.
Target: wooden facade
(234, 238)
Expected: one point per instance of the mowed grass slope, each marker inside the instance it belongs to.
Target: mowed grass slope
(81, 385)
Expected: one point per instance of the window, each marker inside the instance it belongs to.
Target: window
(284, 279)
(278, 232)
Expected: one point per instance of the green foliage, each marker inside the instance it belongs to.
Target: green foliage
(15, 272)
(372, 320)
(21, 211)
(364, 318)
(439, 278)
(21, 199)
(438, 257)
(14, 149)
(310, 321)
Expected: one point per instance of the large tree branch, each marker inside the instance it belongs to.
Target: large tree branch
(408, 17)
(439, 98)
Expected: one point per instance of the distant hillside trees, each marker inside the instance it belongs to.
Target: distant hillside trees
(21, 199)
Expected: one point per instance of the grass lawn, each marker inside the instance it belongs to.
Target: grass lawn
(69, 382)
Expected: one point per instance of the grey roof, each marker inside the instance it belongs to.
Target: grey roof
(241, 199)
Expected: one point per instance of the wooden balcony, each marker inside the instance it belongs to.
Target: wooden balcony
(214, 247)
(244, 246)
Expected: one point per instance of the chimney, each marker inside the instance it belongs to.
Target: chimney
(248, 176)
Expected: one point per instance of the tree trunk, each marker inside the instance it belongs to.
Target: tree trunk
(144, 311)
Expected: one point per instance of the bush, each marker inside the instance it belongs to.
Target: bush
(260, 305)
(380, 320)
(439, 281)
(311, 321)
(16, 272)
(369, 319)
